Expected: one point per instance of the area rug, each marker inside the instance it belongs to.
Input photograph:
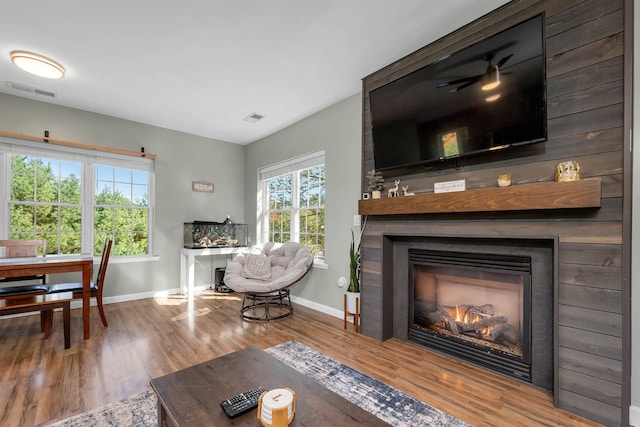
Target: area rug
(140, 410)
(385, 402)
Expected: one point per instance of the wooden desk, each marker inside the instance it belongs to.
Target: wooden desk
(192, 396)
(45, 304)
(16, 267)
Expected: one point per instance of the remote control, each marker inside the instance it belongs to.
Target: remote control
(241, 403)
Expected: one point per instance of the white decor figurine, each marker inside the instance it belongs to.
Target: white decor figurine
(393, 191)
(405, 189)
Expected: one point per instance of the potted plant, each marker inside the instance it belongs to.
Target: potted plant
(376, 183)
(353, 290)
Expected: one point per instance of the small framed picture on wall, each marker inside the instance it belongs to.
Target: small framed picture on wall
(203, 187)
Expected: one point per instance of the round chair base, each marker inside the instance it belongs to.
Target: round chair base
(266, 307)
(221, 288)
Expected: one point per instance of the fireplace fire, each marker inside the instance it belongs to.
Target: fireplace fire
(476, 307)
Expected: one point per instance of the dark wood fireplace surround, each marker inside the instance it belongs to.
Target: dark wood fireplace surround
(588, 73)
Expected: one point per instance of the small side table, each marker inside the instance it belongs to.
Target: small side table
(355, 315)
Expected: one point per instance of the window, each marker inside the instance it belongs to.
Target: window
(76, 201)
(122, 209)
(293, 196)
(45, 202)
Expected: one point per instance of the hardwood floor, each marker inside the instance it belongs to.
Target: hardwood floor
(41, 382)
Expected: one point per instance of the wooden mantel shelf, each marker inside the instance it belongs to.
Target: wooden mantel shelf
(585, 193)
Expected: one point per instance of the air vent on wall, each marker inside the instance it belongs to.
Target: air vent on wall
(253, 117)
(25, 88)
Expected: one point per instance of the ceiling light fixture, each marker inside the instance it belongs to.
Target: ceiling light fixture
(491, 79)
(492, 97)
(37, 64)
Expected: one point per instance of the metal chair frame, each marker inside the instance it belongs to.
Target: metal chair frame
(278, 299)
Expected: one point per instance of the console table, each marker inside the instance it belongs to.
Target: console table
(188, 259)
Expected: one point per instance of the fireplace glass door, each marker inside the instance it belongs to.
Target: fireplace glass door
(473, 306)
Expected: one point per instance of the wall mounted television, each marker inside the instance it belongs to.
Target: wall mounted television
(449, 109)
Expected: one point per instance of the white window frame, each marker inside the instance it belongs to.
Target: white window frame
(88, 160)
(290, 166)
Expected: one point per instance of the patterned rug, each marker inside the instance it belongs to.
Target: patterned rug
(140, 410)
(385, 402)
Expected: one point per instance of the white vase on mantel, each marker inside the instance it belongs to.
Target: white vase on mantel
(376, 194)
(351, 302)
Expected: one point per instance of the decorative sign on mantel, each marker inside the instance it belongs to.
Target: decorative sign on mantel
(450, 186)
(203, 187)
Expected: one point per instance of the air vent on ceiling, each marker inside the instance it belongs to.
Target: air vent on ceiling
(253, 117)
(25, 88)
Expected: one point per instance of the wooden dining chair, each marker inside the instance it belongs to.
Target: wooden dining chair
(96, 287)
(23, 249)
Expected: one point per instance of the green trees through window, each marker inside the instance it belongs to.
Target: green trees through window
(295, 208)
(121, 209)
(311, 214)
(46, 201)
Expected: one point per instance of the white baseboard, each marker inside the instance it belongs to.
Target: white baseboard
(129, 297)
(132, 297)
(318, 307)
(634, 415)
(77, 303)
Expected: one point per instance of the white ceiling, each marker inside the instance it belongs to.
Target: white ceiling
(202, 66)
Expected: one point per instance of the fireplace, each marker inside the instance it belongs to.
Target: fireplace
(476, 307)
(503, 283)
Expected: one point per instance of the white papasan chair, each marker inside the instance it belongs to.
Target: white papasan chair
(264, 275)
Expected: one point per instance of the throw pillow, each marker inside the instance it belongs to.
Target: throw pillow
(257, 267)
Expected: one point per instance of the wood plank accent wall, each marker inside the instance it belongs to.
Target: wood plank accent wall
(588, 121)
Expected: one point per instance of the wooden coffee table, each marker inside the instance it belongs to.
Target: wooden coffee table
(191, 397)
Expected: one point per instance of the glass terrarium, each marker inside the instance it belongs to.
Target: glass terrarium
(207, 234)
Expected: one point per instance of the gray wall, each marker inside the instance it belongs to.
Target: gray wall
(337, 130)
(182, 158)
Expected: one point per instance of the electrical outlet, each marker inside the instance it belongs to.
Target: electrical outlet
(357, 220)
(342, 282)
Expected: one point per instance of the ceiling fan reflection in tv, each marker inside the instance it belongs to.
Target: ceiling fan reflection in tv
(413, 118)
(490, 78)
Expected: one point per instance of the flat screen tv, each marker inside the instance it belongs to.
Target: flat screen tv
(488, 96)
